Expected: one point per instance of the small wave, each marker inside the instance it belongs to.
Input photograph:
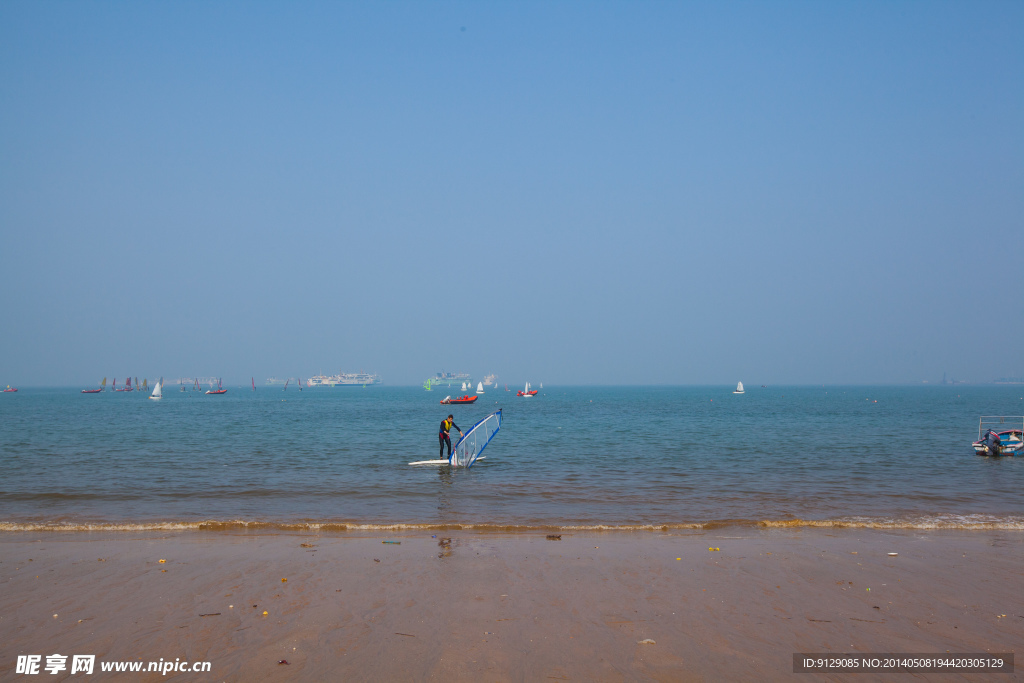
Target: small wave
(966, 522)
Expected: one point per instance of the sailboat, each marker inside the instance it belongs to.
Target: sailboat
(463, 386)
(218, 390)
(286, 384)
(739, 388)
(158, 392)
(479, 387)
(253, 383)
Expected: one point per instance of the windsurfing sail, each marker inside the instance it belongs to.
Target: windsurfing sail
(253, 383)
(473, 442)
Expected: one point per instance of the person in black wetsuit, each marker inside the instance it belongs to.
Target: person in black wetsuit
(442, 435)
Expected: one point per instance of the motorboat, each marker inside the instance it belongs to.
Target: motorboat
(1000, 435)
(448, 400)
(222, 390)
(526, 391)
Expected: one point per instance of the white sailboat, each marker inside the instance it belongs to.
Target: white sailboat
(739, 388)
(479, 387)
(463, 386)
(158, 392)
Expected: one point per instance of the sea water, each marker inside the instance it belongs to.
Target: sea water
(571, 457)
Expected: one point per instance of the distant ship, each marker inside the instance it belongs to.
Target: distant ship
(451, 378)
(344, 379)
(275, 382)
(489, 380)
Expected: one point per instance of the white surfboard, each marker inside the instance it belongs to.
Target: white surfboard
(439, 462)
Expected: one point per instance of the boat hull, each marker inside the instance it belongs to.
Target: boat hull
(218, 391)
(91, 391)
(457, 401)
(1010, 442)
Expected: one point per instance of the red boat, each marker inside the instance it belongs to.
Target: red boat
(526, 391)
(91, 391)
(448, 400)
(10, 389)
(219, 389)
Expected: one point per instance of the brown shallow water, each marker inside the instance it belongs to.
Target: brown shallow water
(487, 606)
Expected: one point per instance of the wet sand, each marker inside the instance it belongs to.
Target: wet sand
(466, 606)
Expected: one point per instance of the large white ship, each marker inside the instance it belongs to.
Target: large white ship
(449, 378)
(344, 379)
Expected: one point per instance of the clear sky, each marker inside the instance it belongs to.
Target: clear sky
(567, 192)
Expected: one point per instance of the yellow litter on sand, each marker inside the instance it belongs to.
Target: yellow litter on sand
(284, 580)
(162, 561)
(679, 558)
(714, 549)
(264, 612)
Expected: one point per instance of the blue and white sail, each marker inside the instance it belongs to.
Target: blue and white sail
(474, 441)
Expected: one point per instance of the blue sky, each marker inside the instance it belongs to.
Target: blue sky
(568, 193)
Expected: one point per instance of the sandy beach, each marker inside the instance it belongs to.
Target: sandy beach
(468, 606)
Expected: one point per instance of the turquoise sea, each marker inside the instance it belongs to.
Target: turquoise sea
(572, 457)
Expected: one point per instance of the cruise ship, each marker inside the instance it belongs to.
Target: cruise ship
(344, 379)
(450, 378)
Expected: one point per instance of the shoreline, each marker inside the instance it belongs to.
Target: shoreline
(966, 522)
(468, 604)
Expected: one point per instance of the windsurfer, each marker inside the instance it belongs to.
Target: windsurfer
(442, 435)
